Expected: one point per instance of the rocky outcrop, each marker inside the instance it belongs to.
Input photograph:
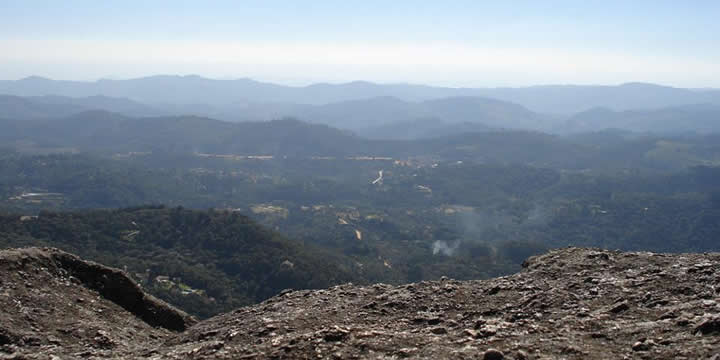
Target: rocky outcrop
(52, 302)
(114, 285)
(568, 304)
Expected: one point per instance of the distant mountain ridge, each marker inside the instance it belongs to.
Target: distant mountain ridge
(363, 114)
(87, 121)
(16, 107)
(356, 115)
(54, 106)
(170, 89)
(702, 118)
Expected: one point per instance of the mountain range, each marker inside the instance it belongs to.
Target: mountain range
(187, 90)
(382, 112)
(365, 116)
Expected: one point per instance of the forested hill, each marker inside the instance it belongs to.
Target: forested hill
(202, 261)
(701, 118)
(16, 107)
(53, 106)
(362, 114)
(112, 133)
(106, 131)
(100, 131)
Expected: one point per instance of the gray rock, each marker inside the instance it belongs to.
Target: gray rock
(493, 354)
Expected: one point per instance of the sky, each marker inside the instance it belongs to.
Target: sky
(450, 43)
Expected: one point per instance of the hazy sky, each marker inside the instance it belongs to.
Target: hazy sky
(456, 43)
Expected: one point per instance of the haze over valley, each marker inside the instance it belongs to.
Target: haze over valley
(465, 180)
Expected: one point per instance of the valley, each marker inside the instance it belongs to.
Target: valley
(494, 180)
(211, 216)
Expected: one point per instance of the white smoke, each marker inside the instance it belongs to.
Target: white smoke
(481, 228)
(441, 246)
(538, 215)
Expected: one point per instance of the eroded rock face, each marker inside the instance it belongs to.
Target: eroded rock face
(568, 304)
(54, 303)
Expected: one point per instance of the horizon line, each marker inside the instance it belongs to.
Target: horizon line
(315, 83)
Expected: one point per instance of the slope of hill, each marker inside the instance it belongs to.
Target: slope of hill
(16, 107)
(568, 99)
(100, 130)
(358, 114)
(572, 303)
(495, 113)
(204, 262)
(701, 118)
(99, 102)
(368, 113)
(54, 107)
(422, 128)
(386, 111)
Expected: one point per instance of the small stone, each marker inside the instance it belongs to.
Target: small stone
(493, 354)
(488, 330)
(434, 321)
(335, 334)
(438, 330)
(668, 315)
(571, 349)
(708, 326)
(640, 346)
(619, 307)
(522, 355)
(494, 290)
(406, 352)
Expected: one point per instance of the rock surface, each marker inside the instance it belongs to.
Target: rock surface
(54, 304)
(571, 303)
